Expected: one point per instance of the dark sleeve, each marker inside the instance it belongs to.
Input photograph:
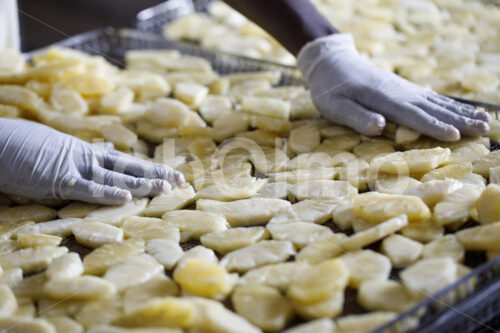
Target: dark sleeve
(291, 22)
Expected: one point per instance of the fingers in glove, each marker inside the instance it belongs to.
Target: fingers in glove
(466, 126)
(92, 192)
(459, 108)
(137, 186)
(357, 117)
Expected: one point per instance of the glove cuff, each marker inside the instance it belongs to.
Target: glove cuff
(314, 51)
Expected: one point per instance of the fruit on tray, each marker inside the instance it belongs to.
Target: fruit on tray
(401, 251)
(79, 287)
(65, 267)
(235, 238)
(366, 265)
(487, 204)
(95, 234)
(99, 260)
(410, 161)
(384, 295)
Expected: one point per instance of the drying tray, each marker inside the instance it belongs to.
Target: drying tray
(471, 304)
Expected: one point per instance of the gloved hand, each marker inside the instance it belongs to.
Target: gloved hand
(38, 162)
(349, 90)
(9, 25)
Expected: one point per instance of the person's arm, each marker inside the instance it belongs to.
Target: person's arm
(293, 23)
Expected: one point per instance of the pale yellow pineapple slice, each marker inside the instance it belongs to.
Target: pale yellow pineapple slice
(263, 306)
(95, 234)
(483, 164)
(168, 112)
(304, 139)
(277, 276)
(377, 207)
(301, 175)
(302, 106)
(202, 147)
(329, 308)
(23, 324)
(316, 211)
(61, 227)
(335, 130)
(495, 175)
(401, 251)
(9, 111)
(11, 277)
(261, 253)
(272, 77)
(468, 153)
(457, 171)
(65, 324)
(25, 240)
(32, 259)
(368, 150)
(338, 144)
(344, 215)
(324, 325)
(165, 251)
(235, 238)
(114, 214)
(318, 251)
(366, 265)
(199, 252)
(319, 282)
(215, 106)
(456, 207)
(67, 100)
(356, 173)
(201, 277)
(268, 159)
(263, 137)
(433, 191)
(20, 97)
(300, 234)
(42, 89)
(428, 276)
(76, 209)
(423, 231)
(384, 295)
(266, 106)
(244, 213)
(49, 307)
(488, 204)
(271, 124)
(7, 246)
(309, 161)
(447, 246)
(117, 101)
(119, 135)
(99, 260)
(33, 212)
(363, 323)
(31, 286)
(242, 188)
(100, 312)
(376, 233)
(132, 271)
(322, 189)
(8, 302)
(193, 223)
(79, 287)
(65, 267)
(153, 132)
(157, 287)
(228, 125)
(277, 190)
(417, 160)
(392, 184)
(118, 329)
(26, 307)
(480, 238)
(404, 135)
(147, 228)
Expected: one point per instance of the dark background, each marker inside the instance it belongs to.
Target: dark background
(46, 21)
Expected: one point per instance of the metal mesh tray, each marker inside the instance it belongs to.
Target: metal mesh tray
(471, 304)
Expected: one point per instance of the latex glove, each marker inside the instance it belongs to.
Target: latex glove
(9, 25)
(349, 90)
(38, 162)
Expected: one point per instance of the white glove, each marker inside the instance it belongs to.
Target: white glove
(9, 25)
(38, 162)
(349, 90)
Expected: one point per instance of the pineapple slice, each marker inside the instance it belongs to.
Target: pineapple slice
(95, 234)
(363, 322)
(335, 130)
(266, 106)
(113, 214)
(339, 143)
(304, 139)
(20, 97)
(267, 159)
(486, 205)
(132, 271)
(33, 212)
(99, 260)
(215, 106)
(117, 101)
(366, 265)
(309, 161)
(300, 234)
(495, 175)
(65, 324)
(191, 93)
(147, 228)
(199, 251)
(235, 238)
(61, 228)
(66, 267)
(376, 233)
(165, 251)
(25, 240)
(262, 137)
(319, 282)
(8, 302)
(228, 125)
(67, 100)
(119, 135)
(468, 153)
(153, 132)
(368, 150)
(263, 306)
(302, 106)
(79, 288)
(392, 184)
(7, 246)
(457, 171)
(271, 124)
(316, 211)
(410, 161)
(480, 238)
(377, 207)
(193, 224)
(242, 188)
(157, 287)
(322, 189)
(100, 312)
(201, 277)
(26, 307)
(447, 246)
(384, 295)
(326, 248)
(23, 324)
(433, 191)
(202, 147)
(404, 135)
(423, 231)
(31, 286)
(32, 259)
(272, 77)
(11, 277)
(324, 325)
(344, 215)
(456, 207)
(277, 276)
(401, 251)
(329, 308)
(244, 213)
(483, 165)
(9, 111)
(261, 253)
(76, 209)
(300, 175)
(428, 276)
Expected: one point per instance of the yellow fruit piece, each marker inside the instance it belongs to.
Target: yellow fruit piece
(304, 139)
(418, 160)
(487, 205)
(363, 323)
(50, 307)
(99, 312)
(335, 130)
(90, 85)
(457, 171)
(147, 228)
(8, 303)
(202, 147)
(423, 231)
(274, 125)
(480, 238)
(278, 190)
(322, 189)
(31, 286)
(263, 306)
(384, 295)
(401, 251)
(199, 251)
(117, 101)
(366, 265)
(266, 106)
(32, 259)
(428, 276)
(191, 93)
(235, 238)
(319, 282)
(433, 191)
(99, 260)
(79, 287)
(193, 224)
(392, 184)
(277, 276)
(228, 125)
(376, 233)
(201, 277)
(243, 213)
(368, 150)
(11, 277)
(339, 143)
(468, 153)
(323, 249)
(377, 207)
(153, 132)
(61, 227)
(456, 207)
(299, 176)
(95, 234)
(329, 308)
(132, 271)
(26, 307)
(299, 233)
(65, 267)
(9, 111)
(117, 329)
(23, 324)
(483, 165)
(447, 246)
(302, 106)
(33, 240)
(156, 287)
(213, 107)
(404, 135)
(316, 211)
(67, 100)
(65, 324)
(261, 253)
(325, 325)
(20, 97)
(308, 161)
(114, 214)
(242, 188)
(76, 209)
(119, 135)
(33, 212)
